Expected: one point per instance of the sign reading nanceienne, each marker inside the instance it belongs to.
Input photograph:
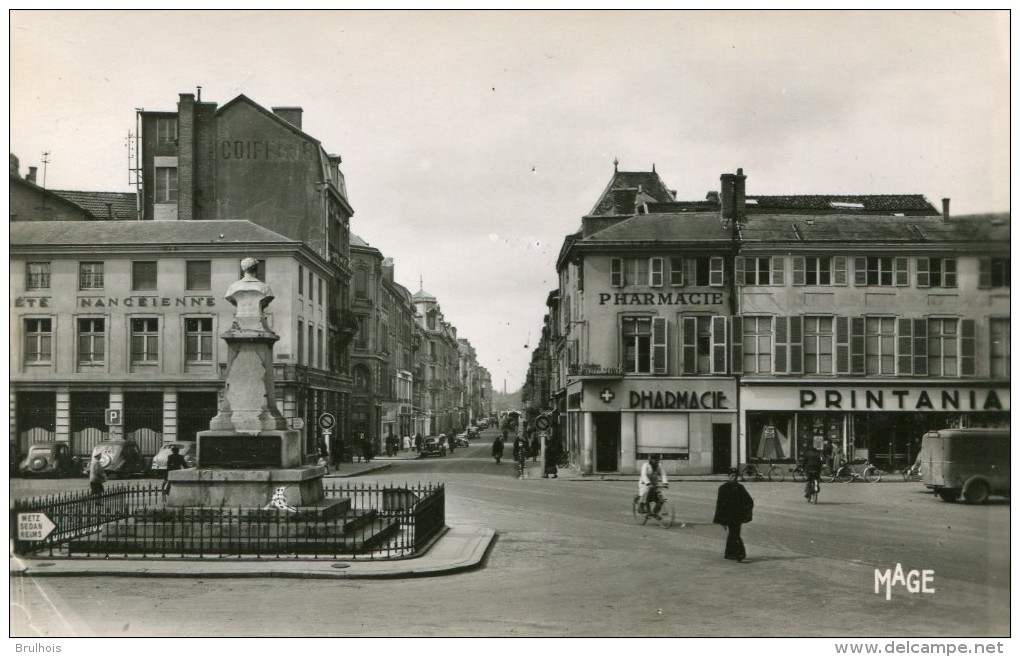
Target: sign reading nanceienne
(145, 302)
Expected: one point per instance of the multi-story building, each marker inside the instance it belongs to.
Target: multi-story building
(397, 406)
(743, 327)
(244, 162)
(125, 317)
(438, 364)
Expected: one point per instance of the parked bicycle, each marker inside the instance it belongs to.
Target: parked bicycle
(666, 513)
(564, 460)
(773, 472)
(912, 474)
(864, 471)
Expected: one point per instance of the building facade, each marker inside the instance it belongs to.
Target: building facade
(125, 317)
(746, 327)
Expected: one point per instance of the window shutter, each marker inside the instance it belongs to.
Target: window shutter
(842, 345)
(904, 347)
(920, 347)
(968, 347)
(719, 344)
(839, 270)
(782, 348)
(715, 271)
(923, 272)
(798, 270)
(659, 330)
(857, 345)
(984, 272)
(655, 272)
(616, 272)
(738, 269)
(676, 271)
(902, 267)
(860, 271)
(688, 344)
(736, 344)
(796, 344)
(778, 270)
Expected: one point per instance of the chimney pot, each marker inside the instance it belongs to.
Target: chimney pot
(945, 209)
(31, 174)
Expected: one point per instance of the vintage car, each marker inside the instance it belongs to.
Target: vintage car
(433, 446)
(50, 460)
(187, 448)
(461, 441)
(120, 458)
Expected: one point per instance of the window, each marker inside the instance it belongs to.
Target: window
(198, 275)
(825, 270)
(143, 275)
(936, 272)
(300, 279)
(38, 340)
(999, 347)
(311, 345)
(703, 271)
(145, 340)
(321, 298)
(703, 345)
(656, 272)
(757, 271)
(311, 289)
(166, 185)
(361, 340)
(198, 340)
(818, 345)
(318, 349)
(817, 270)
(880, 345)
(993, 272)
(301, 342)
(37, 275)
(676, 271)
(757, 345)
(637, 345)
(90, 276)
(166, 129)
(91, 341)
(943, 339)
(361, 284)
(880, 270)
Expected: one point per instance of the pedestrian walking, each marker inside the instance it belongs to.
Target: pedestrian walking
(733, 507)
(552, 455)
(96, 476)
(497, 447)
(407, 443)
(366, 449)
(173, 462)
(536, 446)
(520, 454)
(417, 442)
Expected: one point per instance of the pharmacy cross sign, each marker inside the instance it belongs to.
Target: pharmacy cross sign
(607, 395)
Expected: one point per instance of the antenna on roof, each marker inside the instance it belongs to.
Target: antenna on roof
(45, 161)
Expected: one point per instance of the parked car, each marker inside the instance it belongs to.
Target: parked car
(50, 460)
(188, 449)
(461, 441)
(120, 458)
(432, 446)
(472, 432)
(973, 463)
(483, 424)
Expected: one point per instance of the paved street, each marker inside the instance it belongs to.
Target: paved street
(569, 560)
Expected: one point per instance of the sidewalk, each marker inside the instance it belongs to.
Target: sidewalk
(458, 549)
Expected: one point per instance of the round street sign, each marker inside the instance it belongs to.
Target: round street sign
(542, 422)
(327, 421)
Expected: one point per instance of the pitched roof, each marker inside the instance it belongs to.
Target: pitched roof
(833, 228)
(142, 232)
(910, 204)
(627, 189)
(682, 227)
(103, 205)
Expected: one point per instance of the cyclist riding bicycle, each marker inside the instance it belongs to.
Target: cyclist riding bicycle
(812, 464)
(653, 477)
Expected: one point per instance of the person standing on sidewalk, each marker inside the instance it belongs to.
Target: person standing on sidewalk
(733, 507)
(96, 476)
(552, 455)
(520, 454)
(497, 447)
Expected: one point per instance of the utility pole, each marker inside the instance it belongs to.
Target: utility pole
(45, 161)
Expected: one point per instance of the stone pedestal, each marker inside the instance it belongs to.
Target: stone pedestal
(265, 449)
(246, 488)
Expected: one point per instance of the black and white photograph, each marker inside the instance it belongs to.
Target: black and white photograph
(686, 328)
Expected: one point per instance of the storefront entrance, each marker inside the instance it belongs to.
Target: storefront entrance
(722, 452)
(607, 441)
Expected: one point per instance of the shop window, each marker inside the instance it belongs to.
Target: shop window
(90, 275)
(769, 436)
(198, 275)
(166, 185)
(143, 275)
(198, 339)
(993, 272)
(37, 275)
(145, 340)
(880, 345)
(936, 272)
(38, 340)
(91, 340)
(757, 345)
(666, 434)
(999, 347)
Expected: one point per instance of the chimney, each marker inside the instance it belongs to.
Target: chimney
(15, 166)
(31, 174)
(291, 115)
(109, 211)
(945, 209)
(732, 195)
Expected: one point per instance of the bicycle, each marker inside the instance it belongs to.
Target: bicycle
(813, 499)
(912, 474)
(847, 474)
(564, 460)
(774, 472)
(666, 513)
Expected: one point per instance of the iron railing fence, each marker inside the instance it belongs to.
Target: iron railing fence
(133, 521)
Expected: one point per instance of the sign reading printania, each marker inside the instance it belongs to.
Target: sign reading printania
(912, 399)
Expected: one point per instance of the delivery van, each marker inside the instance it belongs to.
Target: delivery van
(973, 463)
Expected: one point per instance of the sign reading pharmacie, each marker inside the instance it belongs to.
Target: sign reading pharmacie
(669, 395)
(889, 398)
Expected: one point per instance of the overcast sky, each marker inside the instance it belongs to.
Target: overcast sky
(473, 142)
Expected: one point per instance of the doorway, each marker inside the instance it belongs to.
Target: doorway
(722, 451)
(607, 441)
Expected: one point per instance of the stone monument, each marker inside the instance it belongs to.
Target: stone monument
(248, 452)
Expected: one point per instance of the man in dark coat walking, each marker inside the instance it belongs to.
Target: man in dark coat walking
(733, 508)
